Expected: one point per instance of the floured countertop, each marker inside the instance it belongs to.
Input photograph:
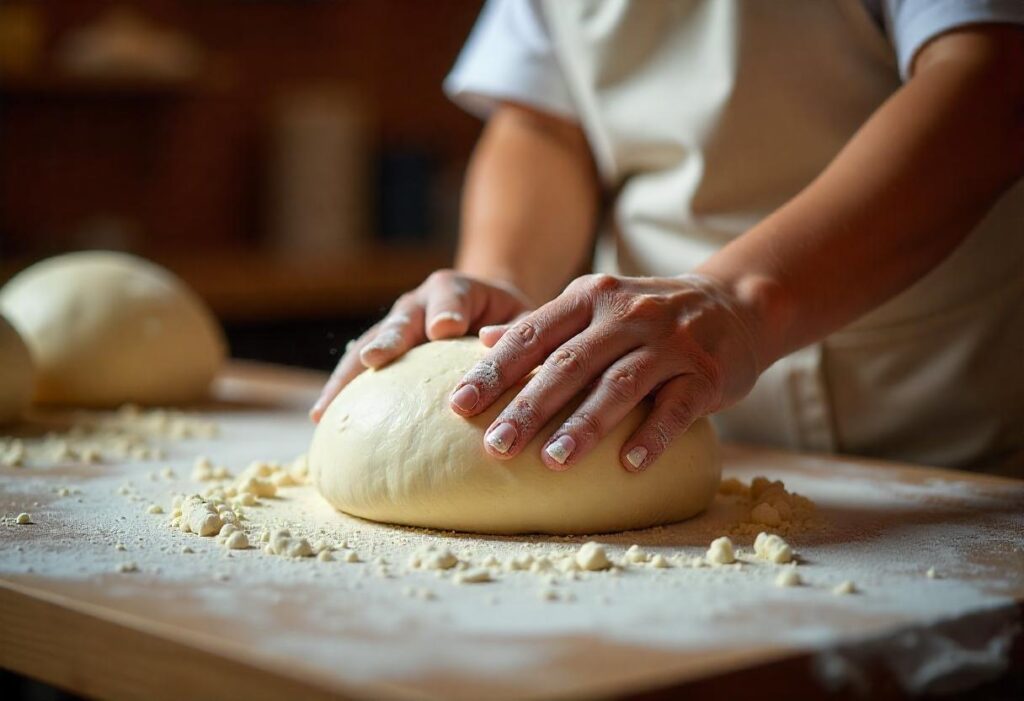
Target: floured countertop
(382, 627)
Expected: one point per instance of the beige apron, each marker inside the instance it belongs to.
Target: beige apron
(705, 116)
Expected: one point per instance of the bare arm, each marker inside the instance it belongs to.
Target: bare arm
(900, 196)
(530, 203)
(897, 199)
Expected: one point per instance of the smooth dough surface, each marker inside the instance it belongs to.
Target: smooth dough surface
(108, 328)
(16, 373)
(390, 449)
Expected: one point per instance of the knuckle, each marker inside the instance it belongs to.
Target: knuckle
(586, 425)
(603, 282)
(404, 302)
(568, 362)
(679, 412)
(486, 376)
(623, 384)
(439, 277)
(524, 412)
(523, 334)
(642, 307)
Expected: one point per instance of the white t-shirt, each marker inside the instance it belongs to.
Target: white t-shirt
(509, 56)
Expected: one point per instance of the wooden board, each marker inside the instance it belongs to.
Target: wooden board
(258, 626)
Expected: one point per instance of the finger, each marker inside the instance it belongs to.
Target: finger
(448, 308)
(620, 388)
(676, 406)
(522, 348)
(399, 331)
(489, 335)
(564, 374)
(344, 372)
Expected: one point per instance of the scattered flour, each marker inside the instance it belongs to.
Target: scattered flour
(660, 574)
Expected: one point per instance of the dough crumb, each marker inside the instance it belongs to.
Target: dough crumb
(931, 573)
(636, 554)
(350, 556)
(125, 567)
(155, 509)
(299, 547)
(772, 548)
(592, 557)
(659, 562)
(519, 562)
(720, 552)
(120, 547)
(541, 565)
(843, 588)
(185, 550)
(237, 541)
(23, 519)
(788, 577)
(325, 556)
(199, 516)
(478, 576)
(434, 559)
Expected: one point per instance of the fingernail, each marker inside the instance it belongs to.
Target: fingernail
(501, 437)
(447, 316)
(561, 449)
(317, 407)
(487, 329)
(636, 456)
(466, 397)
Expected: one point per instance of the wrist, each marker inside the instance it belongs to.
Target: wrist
(763, 305)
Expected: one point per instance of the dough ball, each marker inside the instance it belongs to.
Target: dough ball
(389, 449)
(16, 373)
(108, 328)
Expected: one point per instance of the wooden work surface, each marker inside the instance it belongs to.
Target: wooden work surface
(205, 625)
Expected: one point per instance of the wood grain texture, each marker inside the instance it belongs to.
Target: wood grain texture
(152, 636)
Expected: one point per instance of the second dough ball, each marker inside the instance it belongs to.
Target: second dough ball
(109, 328)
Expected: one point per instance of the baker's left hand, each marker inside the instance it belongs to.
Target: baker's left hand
(685, 339)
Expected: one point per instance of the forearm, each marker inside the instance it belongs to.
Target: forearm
(530, 203)
(897, 200)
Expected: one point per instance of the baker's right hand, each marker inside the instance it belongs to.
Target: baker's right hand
(448, 304)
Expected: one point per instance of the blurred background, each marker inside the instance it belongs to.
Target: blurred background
(294, 161)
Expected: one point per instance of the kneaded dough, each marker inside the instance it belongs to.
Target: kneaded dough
(390, 449)
(16, 373)
(108, 328)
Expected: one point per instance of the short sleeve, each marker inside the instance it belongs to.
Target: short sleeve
(509, 56)
(913, 23)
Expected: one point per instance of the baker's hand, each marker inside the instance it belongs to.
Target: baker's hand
(448, 304)
(685, 339)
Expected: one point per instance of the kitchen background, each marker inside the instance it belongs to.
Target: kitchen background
(294, 161)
